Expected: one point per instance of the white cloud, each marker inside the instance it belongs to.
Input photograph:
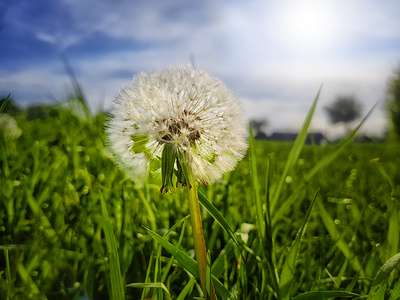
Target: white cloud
(33, 85)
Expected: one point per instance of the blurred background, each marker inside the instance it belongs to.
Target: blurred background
(274, 55)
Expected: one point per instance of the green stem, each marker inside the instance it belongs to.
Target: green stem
(198, 235)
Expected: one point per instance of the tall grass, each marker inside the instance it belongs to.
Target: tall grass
(292, 221)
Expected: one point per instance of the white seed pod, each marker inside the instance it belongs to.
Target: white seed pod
(182, 108)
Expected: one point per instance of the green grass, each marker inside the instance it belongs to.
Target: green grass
(267, 240)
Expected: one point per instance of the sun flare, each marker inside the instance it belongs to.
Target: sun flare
(307, 25)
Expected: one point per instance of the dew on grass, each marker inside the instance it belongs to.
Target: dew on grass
(288, 179)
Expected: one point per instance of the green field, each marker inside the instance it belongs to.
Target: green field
(53, 238)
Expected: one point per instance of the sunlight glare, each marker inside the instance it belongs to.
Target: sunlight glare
(307, 25)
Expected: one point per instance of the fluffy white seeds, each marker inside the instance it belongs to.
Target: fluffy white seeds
(183, 109)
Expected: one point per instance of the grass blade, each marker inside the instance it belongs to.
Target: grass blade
(28, 281)
(151, 285)
(49, 231)
(396, 292)
(287, 274)
(323, 163)
(78, 92)
(88, 280)
(170, 262)
(386, 269)
(8, 274)
(147, 278)
(377, 292)
(267, 244)
(213, 211)
(294, 152)
(4, 104)
(157, 273)
(186, 289)
(330, 226)
(189, 263)
(319, 295)
(117, 286)
(326, 160)
(256, 188)
(393, 232)
(226, 254)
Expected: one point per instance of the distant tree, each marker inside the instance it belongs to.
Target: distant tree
(393, 103)
(344, 109)
(259, 127)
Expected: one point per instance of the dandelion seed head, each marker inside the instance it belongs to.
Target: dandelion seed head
(181, 108)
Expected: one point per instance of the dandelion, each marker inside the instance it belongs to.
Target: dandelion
(183, 121)
(177, 110)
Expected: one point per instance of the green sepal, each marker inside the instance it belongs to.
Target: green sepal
(168, 158)
(182, 172)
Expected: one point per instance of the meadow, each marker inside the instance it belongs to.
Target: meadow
(292, 221)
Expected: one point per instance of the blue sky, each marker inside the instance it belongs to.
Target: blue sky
(273, 54)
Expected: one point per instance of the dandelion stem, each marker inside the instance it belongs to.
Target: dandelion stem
(198, 235)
